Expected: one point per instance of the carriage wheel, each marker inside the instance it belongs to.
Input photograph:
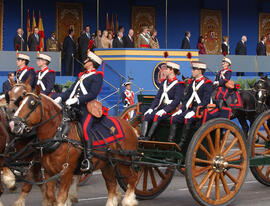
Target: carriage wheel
(152, 181)
(216, 162)
(129, 112)
(259, 145)
(84, 179)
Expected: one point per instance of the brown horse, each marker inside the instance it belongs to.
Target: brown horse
(34, 173)
(47, 114)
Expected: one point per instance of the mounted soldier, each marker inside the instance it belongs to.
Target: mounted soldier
(24, 72)
(198, 94)
(85, 89)
(45, 76)
(169, 96)
(226, 94)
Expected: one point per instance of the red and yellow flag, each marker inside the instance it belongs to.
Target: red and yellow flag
(116, 23)
(28, 27)
(34, 24)
(112, 24)
(41, 33)
(107, 22)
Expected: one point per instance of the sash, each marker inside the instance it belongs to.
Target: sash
(40, 77)
(146, 39)
(164, 95)
(22, 74)
(80, 83)
(195, 94)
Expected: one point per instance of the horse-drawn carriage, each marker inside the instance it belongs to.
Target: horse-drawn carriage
(215, 160)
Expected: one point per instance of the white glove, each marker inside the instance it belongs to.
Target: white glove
(161, 112)
(189, 115)
(149, 111)
(2, 96)
(216, 83)
(58, 100)
(72, 101)
(178, 112)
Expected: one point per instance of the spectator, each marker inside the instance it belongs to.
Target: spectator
(241, 47)
(154, 41)
(69, 50)
(186, 40)
(7, 84)
(143, 40)
(121, 29)
(200, 45)
(129, 39)
(105, 42)
(98, 39)
(225, 48)
(19, 43)
(118, 41)
(91, 45)
(110, 37)
(33, 41)
(83, 43)
(261, 47)
(52, 43)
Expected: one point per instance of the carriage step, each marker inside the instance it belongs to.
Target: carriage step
(160, 145)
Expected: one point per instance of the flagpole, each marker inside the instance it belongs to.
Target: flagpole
(166, 20)
(228, 18)
(21, 22)
(97, 14)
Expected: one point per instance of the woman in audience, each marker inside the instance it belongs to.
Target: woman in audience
(154, 41)
(200, 45)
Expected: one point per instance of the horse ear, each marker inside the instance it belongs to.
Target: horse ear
(37, 90)
(12, 82)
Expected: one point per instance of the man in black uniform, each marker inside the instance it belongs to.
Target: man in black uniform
(261, 47)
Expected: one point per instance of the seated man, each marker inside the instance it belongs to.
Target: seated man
(84, 90)
(170, 94)
(198, 94)
(222, 77)
(45, 76)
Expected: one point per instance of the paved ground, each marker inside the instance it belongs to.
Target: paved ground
(94, 193)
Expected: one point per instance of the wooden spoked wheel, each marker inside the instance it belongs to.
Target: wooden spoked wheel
(152, 181)
(129, 112)
(259, 145)
(216, 162)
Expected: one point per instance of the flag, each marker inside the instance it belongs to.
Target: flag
(107, 22)
(112, 25)
(116, 23)
(41, 33)
(34, 24)
(28, 27)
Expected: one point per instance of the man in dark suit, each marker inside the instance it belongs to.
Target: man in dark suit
(7, 84)
(69, 50)
(261, 47)
(129, 39)
(33, 40)
(118, 41)
(19, 44)
(83, 43)
(241, 47)
(186, 41)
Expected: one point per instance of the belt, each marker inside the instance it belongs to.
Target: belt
(144, 46)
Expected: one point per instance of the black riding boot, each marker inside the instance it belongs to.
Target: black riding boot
(87, 164)
(144, 128)
(184, 137)
(152, 130)
(171, 137)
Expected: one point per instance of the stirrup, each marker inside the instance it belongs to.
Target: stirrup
(86, 166)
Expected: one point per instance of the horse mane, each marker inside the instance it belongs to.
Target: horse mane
(51, 100)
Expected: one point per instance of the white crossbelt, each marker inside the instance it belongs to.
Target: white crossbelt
(222, 73)
(40, 77)
(22, 74)
(80, 83)
(195, 94)
(128, 96)
(164, 95)
(145, 38)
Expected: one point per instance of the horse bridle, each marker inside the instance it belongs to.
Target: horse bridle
(264, 92)
(32, 105)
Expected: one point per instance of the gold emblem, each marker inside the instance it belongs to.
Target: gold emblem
(112, 130)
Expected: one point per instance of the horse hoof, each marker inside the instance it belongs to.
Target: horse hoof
(74, 200)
